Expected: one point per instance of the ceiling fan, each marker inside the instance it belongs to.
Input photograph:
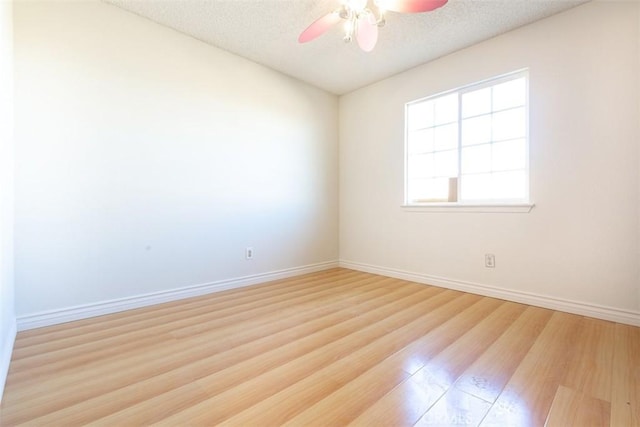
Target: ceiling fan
(363, 21)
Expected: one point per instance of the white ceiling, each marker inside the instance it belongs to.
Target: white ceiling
(266, 31)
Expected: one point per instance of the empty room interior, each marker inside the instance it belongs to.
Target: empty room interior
(320, 212)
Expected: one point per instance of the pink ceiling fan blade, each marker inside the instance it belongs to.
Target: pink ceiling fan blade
(319, 27)
(411, 6)
(367, 34)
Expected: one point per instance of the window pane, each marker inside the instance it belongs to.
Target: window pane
(446, 137)
(476, 130)
(486, 153)
(420, 115)
(509, 185)
(509, 124)
(417, 189)
(476, 187)
(509, 94)
(446, 163)
(446, 108)
(421, 166)
(421, 141)
(476, 159)
(428, 190)
(476, 102)
(509, 155)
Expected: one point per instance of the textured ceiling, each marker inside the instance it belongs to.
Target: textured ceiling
(266, 31)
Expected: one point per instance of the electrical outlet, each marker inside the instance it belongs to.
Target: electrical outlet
(248, 253)
(489, 260)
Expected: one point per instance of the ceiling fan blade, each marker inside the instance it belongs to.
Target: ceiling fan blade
(367, 33)
(319, 27)
(411, 6)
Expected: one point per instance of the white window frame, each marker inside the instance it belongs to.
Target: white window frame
(490, 205)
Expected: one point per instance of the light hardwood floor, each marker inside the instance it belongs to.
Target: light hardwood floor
(331, 348)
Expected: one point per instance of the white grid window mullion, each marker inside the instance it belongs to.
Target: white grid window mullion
(494, 173)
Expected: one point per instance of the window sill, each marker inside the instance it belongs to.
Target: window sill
(473, 208)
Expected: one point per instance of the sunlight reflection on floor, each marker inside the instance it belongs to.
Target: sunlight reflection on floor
(431, 389)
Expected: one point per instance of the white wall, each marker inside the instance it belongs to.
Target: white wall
(7, 313)
(147, 160)
(581, 241)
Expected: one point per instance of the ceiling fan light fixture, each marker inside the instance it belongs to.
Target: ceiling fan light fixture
(364, 21)
(348, 30)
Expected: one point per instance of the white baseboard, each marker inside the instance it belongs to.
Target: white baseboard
(70, 314)
(106, 307)
(5, 357)
(574, 307)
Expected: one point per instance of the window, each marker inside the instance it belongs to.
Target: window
(469, 146)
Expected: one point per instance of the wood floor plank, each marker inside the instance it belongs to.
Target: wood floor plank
(133, 337)
(328, 348)
(229, 297)
(438, 374)
(455, 408)
(245, 363)
(593, 354)
(230, 401)
(488, 375)
(348, 403)
(527, 398)
(193, 357)
(625, 393)
(448, 365)
(212, 319)
(375, 361)
(171, 318)
(571, 408)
